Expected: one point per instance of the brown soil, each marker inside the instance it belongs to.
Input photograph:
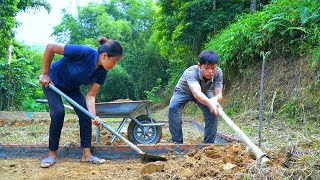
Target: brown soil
(210, 162)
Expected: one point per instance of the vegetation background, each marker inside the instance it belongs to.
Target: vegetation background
(162, 38)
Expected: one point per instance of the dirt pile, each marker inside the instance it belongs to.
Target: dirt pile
(208, 163)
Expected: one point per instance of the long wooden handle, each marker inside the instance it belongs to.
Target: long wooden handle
(71, 101)
(255, 149)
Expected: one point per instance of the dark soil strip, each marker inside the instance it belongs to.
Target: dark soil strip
(119, 152)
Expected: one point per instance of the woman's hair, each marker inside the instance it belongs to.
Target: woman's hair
(208, 57)
(111, 47)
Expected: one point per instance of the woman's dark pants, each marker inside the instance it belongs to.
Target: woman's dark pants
(57, 113)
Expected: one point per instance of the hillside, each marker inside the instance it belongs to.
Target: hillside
(291, 89)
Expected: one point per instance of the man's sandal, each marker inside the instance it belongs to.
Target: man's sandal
(47, 162)
(94, 160)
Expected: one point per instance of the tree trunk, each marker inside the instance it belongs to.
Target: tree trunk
(9, 53)
(253, 6)
(9, 72)
(214, 5)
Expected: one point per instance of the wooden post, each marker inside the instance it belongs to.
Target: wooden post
(261, 94)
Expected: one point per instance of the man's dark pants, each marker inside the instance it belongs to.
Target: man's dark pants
(177, 102)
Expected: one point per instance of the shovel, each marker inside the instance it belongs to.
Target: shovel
(145, 157)
(255, 149)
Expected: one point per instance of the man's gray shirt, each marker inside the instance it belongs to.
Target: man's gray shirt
(193, 74)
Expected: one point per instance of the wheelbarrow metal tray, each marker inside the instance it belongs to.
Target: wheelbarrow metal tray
(126, 108)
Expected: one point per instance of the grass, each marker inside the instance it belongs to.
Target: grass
(36, 131)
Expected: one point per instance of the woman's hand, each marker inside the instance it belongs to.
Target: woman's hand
(96, 121)
(44, 80)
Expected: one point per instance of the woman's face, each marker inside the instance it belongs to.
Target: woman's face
(112, 61)
(208, 70)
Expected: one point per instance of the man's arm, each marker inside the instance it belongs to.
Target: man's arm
(217, 95)
(195, 88)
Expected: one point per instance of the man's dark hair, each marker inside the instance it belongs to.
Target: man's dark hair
(208, 57)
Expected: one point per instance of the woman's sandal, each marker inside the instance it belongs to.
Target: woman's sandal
(47, 162)
(94, 160)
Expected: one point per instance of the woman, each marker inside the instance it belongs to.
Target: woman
(80, 65)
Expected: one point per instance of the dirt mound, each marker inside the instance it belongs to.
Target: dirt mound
(210, 162)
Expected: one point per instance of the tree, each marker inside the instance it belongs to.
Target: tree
(8, 10)
(130, 23)
(17, 79)
(13, 80)
(253, 6)
(183, 27)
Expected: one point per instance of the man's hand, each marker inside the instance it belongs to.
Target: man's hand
(44, 80)
(214, 105)
(96, 121)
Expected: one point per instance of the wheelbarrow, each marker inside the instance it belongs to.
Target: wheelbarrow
(115, 113)
(141, 129)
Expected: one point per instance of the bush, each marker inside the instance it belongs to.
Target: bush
(285, 27)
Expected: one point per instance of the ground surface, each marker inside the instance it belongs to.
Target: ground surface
(299, 160)
(210, 162)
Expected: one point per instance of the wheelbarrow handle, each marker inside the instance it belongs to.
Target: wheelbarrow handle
(71, 101)
(41, 100)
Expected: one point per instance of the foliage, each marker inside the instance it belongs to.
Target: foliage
(33, 5)
(183, 28)
(18, 80)
(161, 41)
(149, 67)
(153, 95)
(15, 82)
(316, 53)
(92, 22)
(31, 105)
(284, 27)
(8, 10)
(118, 85)
(128, 22)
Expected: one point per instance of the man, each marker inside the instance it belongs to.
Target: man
(197, 84)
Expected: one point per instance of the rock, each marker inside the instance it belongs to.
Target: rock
(152, 167)
(228, 166)
(185, 173)
(192, 152)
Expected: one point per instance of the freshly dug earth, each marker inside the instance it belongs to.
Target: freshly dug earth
(233, 161)
(210, 162)
(213, 162)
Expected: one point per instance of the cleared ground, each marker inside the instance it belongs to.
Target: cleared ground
(294, 155)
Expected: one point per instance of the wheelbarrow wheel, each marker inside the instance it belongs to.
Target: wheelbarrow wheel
(144, 135)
